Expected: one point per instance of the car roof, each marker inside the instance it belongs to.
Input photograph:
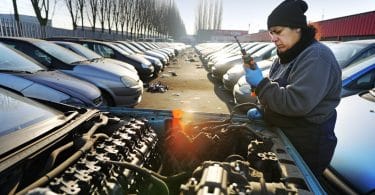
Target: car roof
(21, 39)
(365, 41)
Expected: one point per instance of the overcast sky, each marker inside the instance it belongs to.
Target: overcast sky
(237, 14)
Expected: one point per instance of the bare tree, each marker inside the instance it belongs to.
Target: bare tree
(109, 14)
(102, 12)
(142, 9)
(122, 15)
(129, 11)
(150, 13)
(133, 18)
(116, 13)
(209, 15)
(73, 11)
(17, 17)
(80, 6)
(41, 9)
(92, 13)
(219, 15)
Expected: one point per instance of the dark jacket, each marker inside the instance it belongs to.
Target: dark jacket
(313, 85)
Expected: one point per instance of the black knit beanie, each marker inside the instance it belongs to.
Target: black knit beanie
(289, 13)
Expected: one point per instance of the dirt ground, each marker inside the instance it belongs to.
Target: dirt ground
(190, 88)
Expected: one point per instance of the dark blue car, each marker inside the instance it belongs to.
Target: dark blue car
(350, 52)
(29, 78)
(358, 76)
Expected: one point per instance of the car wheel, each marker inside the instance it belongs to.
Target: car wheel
(107, 99)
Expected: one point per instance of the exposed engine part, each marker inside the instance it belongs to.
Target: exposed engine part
(232, 159)
(157, 87)
(133, 142)
(214, 140)
(235, 177)
(109, 155)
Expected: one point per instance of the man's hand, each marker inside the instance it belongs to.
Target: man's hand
(253, 77)
(254, 114)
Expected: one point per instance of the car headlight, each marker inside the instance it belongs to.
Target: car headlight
(74, 102)
(146, 65)
(128, 82)
(158, 62)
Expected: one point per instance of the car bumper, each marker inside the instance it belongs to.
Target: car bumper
(128, 97)
(146, 72)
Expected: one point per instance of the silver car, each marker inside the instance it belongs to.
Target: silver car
(92, 56)
(119, 86)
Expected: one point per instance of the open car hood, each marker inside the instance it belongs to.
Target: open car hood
(130, 151)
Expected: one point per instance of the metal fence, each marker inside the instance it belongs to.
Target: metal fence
(9, 28)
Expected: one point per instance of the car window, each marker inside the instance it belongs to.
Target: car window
(61, 53)
(41, 56)
(365, 82)
(357, 67)
(34, 53)
(127, 50)
(103, 50)
(345, 51)
(87, 45)
(263, 51)
(11, 60)
(256, 48)
(365, 55)
(133, 48)
(18, 112)
(120, 50)
(88, 53)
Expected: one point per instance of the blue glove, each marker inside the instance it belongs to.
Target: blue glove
(253, 77)
(254, 114)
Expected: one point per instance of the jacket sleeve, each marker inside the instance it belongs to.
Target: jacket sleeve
(308, 85)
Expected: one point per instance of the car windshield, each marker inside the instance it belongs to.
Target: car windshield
(140, 47)
(256, 48)
(89, 54)
(263, 50)
(358, 66)
(127, 50)
(133, 48)
(344, 51)
(10, 60)
(59, 52)
(119, 49)
(17, 112)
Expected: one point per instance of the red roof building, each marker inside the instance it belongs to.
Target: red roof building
(358, 26)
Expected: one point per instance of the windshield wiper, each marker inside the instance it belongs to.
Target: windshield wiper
(17, 71)
(80, 62)
(95, 59)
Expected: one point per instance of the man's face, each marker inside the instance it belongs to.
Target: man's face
(284, 37)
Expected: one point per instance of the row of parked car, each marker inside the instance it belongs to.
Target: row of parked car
(82, 72)
(351, 170)
(356, 59)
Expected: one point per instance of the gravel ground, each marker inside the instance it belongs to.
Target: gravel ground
(190, 88)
